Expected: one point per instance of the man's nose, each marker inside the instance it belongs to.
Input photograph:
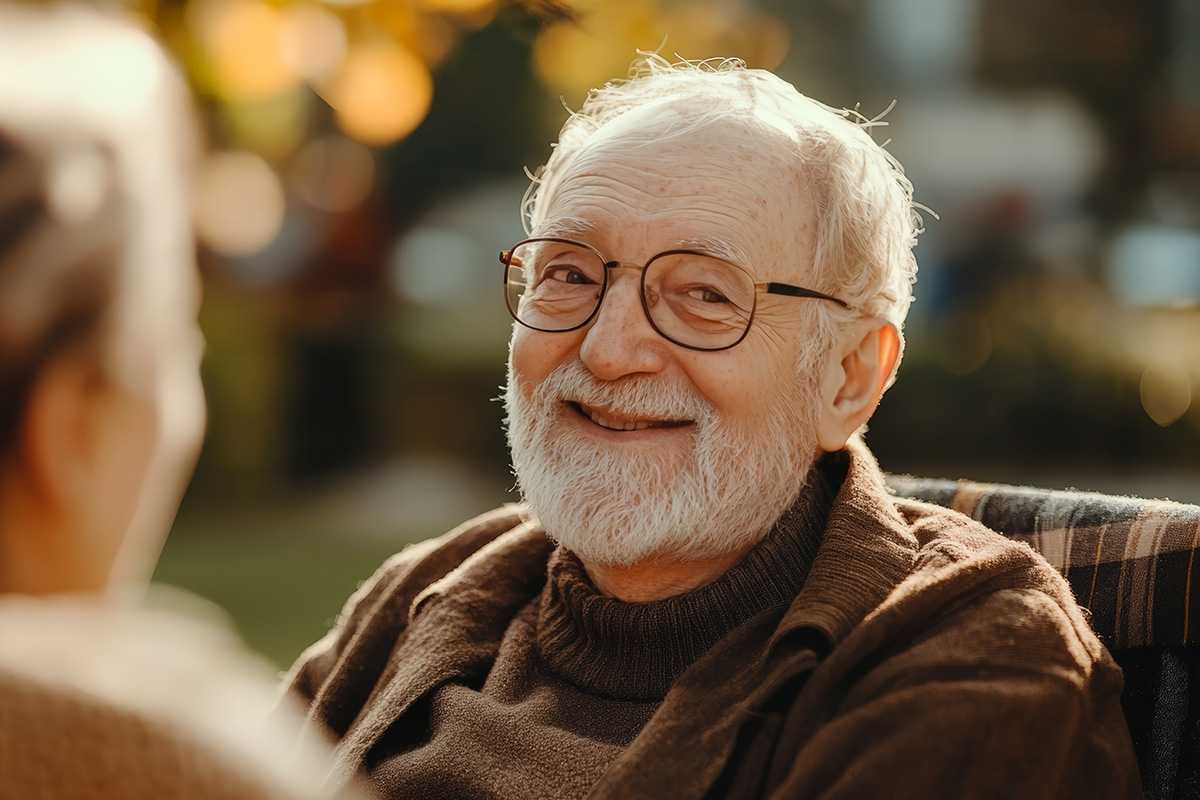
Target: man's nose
(619, 341)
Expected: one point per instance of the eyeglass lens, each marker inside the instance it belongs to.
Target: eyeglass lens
(693, 300)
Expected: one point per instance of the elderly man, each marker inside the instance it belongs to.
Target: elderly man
(709, 592)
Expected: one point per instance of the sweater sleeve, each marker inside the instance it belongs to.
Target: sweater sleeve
(974, 734)
(335, 675)
(313, 667)
(1006, 698)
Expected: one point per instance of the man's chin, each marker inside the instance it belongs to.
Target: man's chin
(609, 548)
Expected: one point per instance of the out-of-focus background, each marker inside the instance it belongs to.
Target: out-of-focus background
(365, 166)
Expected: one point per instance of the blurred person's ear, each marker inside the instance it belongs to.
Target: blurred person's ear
(85, 445)
(852, 381)
(58, 431)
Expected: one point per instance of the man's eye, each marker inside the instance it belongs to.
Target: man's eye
(567, 275)
(708, 295)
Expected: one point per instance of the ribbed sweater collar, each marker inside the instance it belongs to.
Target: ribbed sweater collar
(635, 651)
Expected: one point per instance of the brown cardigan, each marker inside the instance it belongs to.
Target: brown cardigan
(925, 656)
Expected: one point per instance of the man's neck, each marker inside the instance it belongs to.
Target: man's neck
(656, 579)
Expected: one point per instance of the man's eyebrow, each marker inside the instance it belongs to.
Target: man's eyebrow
(565, 228)
(576, 227)
(720, 248)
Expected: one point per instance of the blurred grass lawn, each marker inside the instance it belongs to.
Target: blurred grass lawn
(282, 588)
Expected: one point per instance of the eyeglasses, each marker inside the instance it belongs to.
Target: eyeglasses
(693, 299)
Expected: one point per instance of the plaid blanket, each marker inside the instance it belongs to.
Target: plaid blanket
(1130, 562)
(1132, 565)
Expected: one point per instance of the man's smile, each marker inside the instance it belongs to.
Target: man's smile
(612, 420)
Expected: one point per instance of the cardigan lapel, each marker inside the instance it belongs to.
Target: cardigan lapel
(454, 633)
(866, 552)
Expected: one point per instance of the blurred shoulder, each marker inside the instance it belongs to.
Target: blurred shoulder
(77, 640)
(163, 694)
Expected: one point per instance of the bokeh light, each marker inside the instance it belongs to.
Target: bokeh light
(381, 93)
(572, 56)
(1166, 393)
(239, 203)
(432, 37)
(244, 40)
(333, 173)
(273, 127)
(435, 266)
(1156, 265)
(480, 12)
(312, 41)
(457, 6)
(968, 346)
(576, 55)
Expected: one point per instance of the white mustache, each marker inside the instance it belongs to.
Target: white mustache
(634, 396)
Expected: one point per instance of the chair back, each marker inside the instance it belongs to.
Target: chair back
(1133, 568)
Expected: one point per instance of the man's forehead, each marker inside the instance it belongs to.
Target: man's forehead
(725, 187)
(566, 228)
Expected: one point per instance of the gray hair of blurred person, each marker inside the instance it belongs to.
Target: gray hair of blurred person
(95, 140)
(867, 221)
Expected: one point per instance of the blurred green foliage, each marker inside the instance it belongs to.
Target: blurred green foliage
(282, 588)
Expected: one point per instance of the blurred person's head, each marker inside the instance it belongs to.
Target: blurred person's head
(101, 409)
(680, 420)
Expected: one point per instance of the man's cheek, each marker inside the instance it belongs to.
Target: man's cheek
(536, 354)
(519, 371)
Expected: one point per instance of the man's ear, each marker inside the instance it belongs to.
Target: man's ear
(855, 374)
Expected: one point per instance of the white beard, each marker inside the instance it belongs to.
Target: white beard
(615, 508)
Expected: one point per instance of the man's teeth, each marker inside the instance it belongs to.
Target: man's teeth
(615, 424)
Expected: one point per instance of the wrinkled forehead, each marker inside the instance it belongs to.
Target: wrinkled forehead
(659, 176)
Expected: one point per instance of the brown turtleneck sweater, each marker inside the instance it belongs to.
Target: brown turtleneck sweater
(918, 655)
(578, 674)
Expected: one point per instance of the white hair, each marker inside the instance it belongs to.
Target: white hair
(867, 222)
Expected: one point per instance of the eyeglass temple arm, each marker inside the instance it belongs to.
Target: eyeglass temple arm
(798, 291)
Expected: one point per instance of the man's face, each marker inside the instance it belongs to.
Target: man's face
(715, 483)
